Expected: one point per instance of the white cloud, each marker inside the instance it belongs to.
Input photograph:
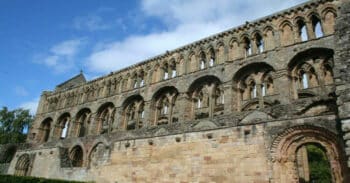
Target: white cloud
(90, 23)
(186, 21)
(67, 48)
(61, 56)
(31, 105)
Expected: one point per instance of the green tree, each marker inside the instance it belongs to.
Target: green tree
(14, 125)
(320, 170)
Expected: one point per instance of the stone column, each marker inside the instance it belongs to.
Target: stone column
(147, 120)
(259, 95)
(254, 46)
(310, 31)
(282, 86)
(342, 71)
(228, 98)
(184, 105)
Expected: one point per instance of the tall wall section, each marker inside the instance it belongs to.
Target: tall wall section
(341, 71)
(240, 106)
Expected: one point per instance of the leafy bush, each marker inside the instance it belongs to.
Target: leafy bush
(20, 179)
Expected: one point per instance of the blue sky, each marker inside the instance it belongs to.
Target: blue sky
(45, 42)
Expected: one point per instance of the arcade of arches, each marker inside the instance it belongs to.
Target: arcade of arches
(258, 103)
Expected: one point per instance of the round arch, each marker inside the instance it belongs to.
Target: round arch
(132, 112)
(285, 145)
(203, 79)
(62, 125)
(45, 129)
(105, 118)
(164, 108)
(98, 153)
(249, 68)
(311, 52)
(76, 155)
(82, 122)
(22, 167)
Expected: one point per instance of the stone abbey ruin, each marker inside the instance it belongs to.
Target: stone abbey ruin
(251, 104)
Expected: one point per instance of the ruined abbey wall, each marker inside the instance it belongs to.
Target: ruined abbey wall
(239, 106)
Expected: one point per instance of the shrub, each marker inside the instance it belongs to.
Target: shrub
(20, 179)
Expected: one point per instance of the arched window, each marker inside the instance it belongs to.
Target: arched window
(302, 31)
(142, 83)
(267, 86)
(251, 83)
(133, 112)
(211, 62)
(45, 129)
(263, 89)
(166, 72)
(199, 103)
(77, 156)
(310, 69)
(328, 73)
(202, 61)
(165, 109)
(105, 117)
(205, 95)
(329, 21)
(259, 43)
(63, 125)
(164, 106)
(316, 26)
(211, 57)
(64, 132)
(82, 122)
(305, 80)
(253, 92)
(135, 83)
(247, 47)
(173, 69)
(287, 33)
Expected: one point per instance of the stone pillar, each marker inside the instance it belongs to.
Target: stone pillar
(282, 86)
(94, 122)
(228, 93)
(310, 31)
(342, 71)
(254, 46)
(147, 120)
(185, 109)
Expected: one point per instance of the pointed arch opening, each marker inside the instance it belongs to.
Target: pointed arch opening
(22, 167)
(260, 44)
(133, 112)
(82, 122)
(253, 82)
(247, 46)
(316, 26)
(105, 118)
(302, 30)
(63, 125)
(307, 154)
(206, 95)
(44, 130)
(164, 106)
(311, 69)
(76, 156)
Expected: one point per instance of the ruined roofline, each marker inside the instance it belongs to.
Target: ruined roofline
(71, 79)
(220, 34)
(209, 38)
